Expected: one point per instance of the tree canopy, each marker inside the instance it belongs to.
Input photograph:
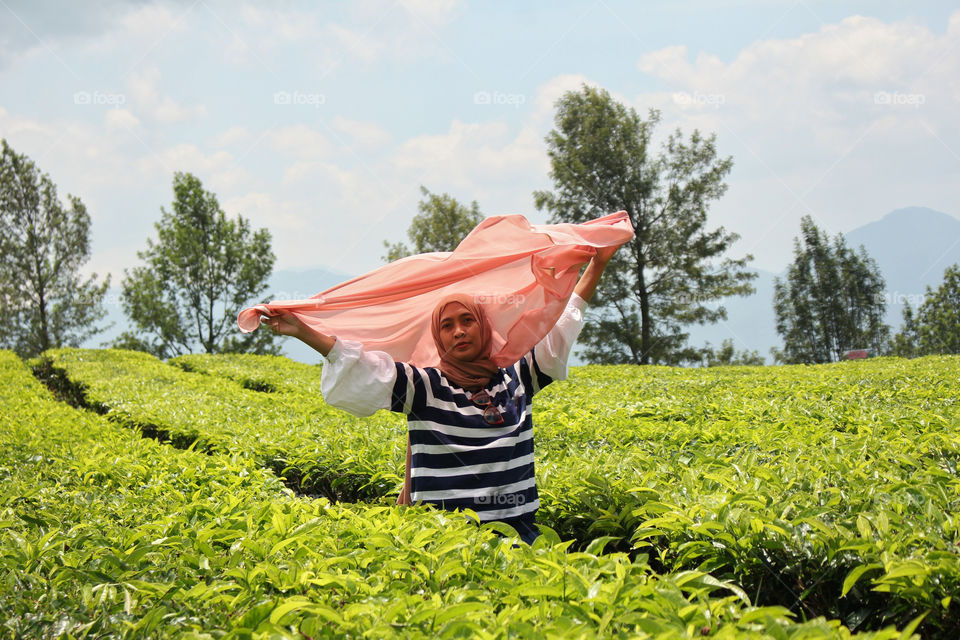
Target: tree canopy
(46, 301)
(440, 226)
(830, 302)
(202, 269)
(603, 160)
(935, 328)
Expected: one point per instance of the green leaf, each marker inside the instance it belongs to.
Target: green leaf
(855, 575)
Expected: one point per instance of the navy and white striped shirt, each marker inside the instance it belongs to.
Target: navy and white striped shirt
(458, 460)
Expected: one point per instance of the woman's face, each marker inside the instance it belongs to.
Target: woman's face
(459, 332)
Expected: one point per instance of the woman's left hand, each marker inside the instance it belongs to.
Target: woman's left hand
(605, 253)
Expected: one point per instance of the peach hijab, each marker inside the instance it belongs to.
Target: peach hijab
(521, 274)
(474, 374)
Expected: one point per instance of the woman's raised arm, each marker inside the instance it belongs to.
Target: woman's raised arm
(287, 324)
(587, 283)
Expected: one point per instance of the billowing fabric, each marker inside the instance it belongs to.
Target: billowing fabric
(522, 274)
(477, 372)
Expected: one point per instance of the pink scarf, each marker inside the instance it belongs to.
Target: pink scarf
(476, 373)
(522, 274)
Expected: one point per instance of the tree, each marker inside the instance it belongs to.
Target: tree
(906, 342)
(201, 271)
(440, 226)
(936, 327)
(831, 301)
(602, 161)
(45, 300)
(726, 355)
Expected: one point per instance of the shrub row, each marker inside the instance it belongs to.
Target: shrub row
(105, 534)
(827, 490)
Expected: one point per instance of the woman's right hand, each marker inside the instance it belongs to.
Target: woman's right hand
(285, 324)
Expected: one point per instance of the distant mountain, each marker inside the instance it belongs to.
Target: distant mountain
(912, 247)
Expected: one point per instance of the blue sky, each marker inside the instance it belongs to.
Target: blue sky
(319, 121)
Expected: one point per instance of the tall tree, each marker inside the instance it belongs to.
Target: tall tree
(602, 160)
(43, 243)
(831, 301)
(203, 268)
(440, 226)
(906, 342)
(935, 329)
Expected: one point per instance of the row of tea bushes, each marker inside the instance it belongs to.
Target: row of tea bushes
(105, 534)
(317, 449)
(828, 490)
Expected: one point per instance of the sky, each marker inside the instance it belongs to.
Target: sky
(320, 121)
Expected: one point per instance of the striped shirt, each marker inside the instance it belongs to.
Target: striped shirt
(459, 461)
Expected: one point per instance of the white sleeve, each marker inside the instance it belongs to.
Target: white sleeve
(357, 381)
(552, 352)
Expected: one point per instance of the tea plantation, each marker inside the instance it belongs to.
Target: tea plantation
(219, 497)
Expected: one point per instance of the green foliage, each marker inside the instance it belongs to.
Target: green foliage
(936, 327)
(317, 449)
(440, 226)
(665, 278)
(202, 269)
(256, 372)
(768, 477)
(826, 491)
(831, 301)
(727, 355)
(105, 534)
(45, 301)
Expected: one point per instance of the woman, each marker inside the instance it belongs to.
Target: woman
(470, 432)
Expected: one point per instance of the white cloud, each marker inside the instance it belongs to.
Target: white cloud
(818, 123)
(218, 171)
(120, 120)
(153, 22)
(361, 43)
(362, 134)
(436, 12)
(147, 99)
(300, 141)
(231, 136)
